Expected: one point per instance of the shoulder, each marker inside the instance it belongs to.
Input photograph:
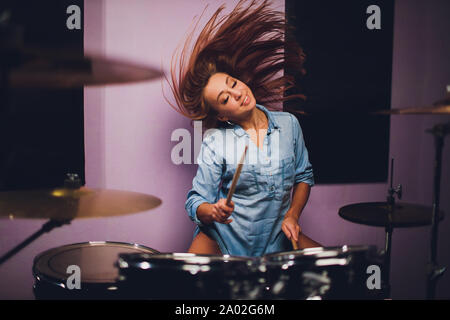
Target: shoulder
(283, 116)
(285, 119)
(276, 114)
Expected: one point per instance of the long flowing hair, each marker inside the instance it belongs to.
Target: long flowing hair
(250, 44)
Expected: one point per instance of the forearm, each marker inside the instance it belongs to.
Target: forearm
(299, 199)
(203, 213)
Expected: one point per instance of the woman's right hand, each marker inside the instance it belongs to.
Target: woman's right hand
(219, 212)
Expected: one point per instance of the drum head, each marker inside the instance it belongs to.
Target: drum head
(96, 261)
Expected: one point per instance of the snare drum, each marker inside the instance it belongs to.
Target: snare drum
(321, 273)
(96, 262)
(189, 276)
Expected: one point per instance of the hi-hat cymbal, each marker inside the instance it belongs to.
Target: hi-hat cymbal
(379, 214)
(40, 69)
(67, 203)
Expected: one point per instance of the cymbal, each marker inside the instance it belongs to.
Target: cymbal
(36, 68)
(425, 110)
(68, 203)
(376, 214)
(439, 107)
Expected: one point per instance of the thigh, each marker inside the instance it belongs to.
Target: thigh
(306, 242)
(202, 244)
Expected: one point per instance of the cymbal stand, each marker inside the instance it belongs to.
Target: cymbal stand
(439, 132)
(47, 227)
(72, 181)
(389, 230)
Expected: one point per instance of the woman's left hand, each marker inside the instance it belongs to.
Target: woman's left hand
(290, 227)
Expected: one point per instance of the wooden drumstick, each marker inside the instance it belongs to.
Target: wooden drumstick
(236, 177)
(294, 243)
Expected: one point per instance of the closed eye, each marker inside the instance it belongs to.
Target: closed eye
(234, 85)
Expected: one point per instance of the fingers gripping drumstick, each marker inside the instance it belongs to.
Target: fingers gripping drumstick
(236, 177)
(294, 243)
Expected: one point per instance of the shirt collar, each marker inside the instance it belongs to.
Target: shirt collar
(272, 123)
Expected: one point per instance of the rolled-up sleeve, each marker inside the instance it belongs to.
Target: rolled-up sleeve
(206, 182)
(303, 168)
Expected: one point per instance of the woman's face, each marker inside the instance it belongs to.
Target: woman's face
(231, 98)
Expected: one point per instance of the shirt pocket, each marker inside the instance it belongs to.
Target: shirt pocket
(287, 172)
(247, 183)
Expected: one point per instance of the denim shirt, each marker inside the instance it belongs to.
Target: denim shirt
(263, 191)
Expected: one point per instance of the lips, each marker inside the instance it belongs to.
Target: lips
(246, 100)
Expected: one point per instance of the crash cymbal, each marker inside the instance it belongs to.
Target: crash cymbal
(36, 68)
(67, 203)
(439, 107)
(403, 215)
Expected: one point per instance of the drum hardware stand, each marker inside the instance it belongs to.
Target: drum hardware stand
(72, 181)
(389, 229)
(47, 227)
(439, 132)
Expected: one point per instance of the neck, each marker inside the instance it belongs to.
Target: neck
(256, 120)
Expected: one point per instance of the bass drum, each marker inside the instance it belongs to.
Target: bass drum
(322, 273)
(55, 270)
(189, 276)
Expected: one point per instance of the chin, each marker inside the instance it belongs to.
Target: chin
(251, 105)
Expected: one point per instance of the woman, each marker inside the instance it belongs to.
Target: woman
(232, 72)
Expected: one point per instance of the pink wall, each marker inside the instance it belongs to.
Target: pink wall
(128, 129)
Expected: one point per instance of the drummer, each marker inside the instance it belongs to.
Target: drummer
(227, 81)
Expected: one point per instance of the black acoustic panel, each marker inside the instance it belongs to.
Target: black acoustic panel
(42, 132)
(348, 75)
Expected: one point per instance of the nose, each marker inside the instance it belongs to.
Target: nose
(236, 93)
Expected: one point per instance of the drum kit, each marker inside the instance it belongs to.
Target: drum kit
(115, 270)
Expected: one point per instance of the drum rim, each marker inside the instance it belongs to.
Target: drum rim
(182, 259)
(312, 252)
(41, 277)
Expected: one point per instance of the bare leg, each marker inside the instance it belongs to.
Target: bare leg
(306, 242)
(202, 244)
